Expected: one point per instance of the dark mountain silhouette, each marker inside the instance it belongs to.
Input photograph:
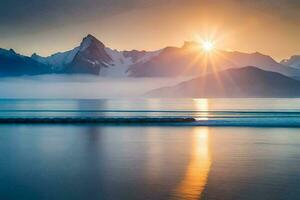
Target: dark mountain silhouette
(242, 82)
(13, 64)
(93, 57)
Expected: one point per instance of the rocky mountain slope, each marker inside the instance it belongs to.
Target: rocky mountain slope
(242, 82)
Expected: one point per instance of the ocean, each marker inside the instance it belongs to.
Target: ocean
(150, 149)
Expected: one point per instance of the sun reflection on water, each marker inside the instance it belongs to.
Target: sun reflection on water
(201, 105)
(195, 178)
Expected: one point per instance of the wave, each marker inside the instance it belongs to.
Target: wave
(109, 120)
(175, 112)
(266, 121)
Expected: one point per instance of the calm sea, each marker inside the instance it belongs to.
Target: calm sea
(233, 149)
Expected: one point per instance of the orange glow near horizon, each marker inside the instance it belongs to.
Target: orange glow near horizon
(246, 28)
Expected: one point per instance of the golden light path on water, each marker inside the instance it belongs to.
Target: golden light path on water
(203, 106)
(196, 175)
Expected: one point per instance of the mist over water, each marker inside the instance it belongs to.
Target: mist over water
(153, 161)
(80, 86)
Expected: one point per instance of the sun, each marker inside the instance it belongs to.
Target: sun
(207, 45)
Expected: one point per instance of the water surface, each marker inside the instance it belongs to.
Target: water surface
(121, 162)
(236, 149)
(204, 112)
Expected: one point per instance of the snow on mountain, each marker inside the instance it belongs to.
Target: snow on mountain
(188, 60)
(92, 56)
(119, 65)
(57, 60)
(122, 60)
(294, 61)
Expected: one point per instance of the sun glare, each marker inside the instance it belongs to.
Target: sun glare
(207, 46)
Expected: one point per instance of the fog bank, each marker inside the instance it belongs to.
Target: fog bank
(80, 87)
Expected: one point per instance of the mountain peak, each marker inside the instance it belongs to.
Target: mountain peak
(293, 61)
(7, 52)
(12, 51)
(90, 40)
(90, 36)
(34, 55)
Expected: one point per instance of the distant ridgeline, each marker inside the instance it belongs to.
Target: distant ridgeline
(234, 83)
(93, 57)
(222, 74)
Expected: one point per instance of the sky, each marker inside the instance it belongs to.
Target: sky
(271, 27)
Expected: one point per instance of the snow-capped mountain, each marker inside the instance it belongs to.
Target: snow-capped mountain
(90, 58)
(293, 61)
(190, 61)
(122, 60)
(93, 57)
(59, 60)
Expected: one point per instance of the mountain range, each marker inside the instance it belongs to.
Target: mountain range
(234, 83)
(13, 64)
(294, 61)
(93, 57)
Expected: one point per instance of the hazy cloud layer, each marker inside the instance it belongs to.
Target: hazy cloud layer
(44, 25)
(22, 11)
